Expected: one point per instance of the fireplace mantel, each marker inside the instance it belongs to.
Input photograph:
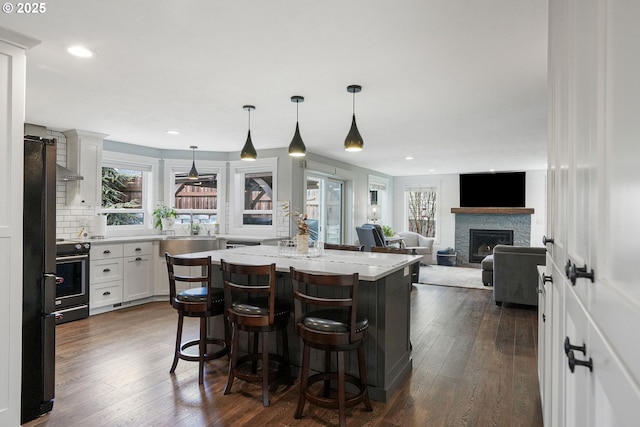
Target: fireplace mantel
(489, 211)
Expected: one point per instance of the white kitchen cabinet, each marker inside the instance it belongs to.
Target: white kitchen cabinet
(545, 322)
(84, 155)
(593, 198)
(138, 270)
(121, 274)
(106, 277)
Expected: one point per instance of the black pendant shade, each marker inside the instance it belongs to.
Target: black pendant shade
(248, 151)
(297, 147)
(193, 173)
(353, 141)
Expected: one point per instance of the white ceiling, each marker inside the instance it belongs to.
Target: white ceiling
(459, 85)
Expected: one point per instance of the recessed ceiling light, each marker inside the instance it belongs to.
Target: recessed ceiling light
(432, 170)
(492, 170)
(173, 132)
(81, 51)
(409, 158)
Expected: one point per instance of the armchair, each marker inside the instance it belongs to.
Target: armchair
(422, 245)
(378, 234)
(366, 238)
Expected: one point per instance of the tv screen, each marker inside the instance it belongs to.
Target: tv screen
(497, 190)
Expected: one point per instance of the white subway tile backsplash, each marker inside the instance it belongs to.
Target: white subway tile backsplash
(69, 220)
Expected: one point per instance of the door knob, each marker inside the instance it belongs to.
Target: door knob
(546, 240)
(546, 278)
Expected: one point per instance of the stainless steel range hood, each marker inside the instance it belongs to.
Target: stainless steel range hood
(64, 174)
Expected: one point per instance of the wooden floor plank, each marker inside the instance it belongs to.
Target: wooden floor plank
(474, 364)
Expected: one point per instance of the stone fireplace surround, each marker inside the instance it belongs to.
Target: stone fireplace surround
(516, 219)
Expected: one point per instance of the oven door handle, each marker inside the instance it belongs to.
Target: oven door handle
(72, 258)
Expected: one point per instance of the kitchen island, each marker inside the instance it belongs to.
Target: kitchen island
(383, 297)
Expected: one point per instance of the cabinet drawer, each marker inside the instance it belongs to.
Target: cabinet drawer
(105, 294)
(106, 270)
(139, 248)
(99, 252)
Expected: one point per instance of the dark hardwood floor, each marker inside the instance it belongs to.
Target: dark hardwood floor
(474, 364)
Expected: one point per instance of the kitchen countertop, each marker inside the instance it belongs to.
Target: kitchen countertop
(370, 266)
(158, 237)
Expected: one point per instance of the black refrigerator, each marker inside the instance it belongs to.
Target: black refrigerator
(39, 278)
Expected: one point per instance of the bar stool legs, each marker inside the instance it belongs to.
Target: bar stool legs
(341, 402)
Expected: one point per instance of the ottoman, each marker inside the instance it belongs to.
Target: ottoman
(487, 270)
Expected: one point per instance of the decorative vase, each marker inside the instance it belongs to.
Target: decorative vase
(167, 223)
(302, 244)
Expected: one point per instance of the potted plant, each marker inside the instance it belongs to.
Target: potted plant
(164, 217)
(388, 231)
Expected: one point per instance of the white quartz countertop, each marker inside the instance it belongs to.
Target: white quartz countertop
(157, 237)
(369, 266)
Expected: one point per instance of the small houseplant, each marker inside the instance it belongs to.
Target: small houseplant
(163, 217)
(388, 232)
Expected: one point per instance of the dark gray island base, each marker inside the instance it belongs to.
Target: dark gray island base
(383, 296)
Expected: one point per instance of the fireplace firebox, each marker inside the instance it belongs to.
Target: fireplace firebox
(482, 242)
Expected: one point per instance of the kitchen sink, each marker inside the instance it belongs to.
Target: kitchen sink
(177, 245)
(197, 237)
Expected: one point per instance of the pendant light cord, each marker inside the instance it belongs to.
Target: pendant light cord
(354, 103)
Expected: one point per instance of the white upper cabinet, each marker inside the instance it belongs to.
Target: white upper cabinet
(594, 200)
(84, 155)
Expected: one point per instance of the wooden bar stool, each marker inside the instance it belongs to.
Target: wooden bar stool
(203, 302)
(336, 247)
(326, 319)
(252, 306)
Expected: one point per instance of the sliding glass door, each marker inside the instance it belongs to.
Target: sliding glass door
(325, 208)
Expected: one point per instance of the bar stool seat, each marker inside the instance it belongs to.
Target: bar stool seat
(326, 319)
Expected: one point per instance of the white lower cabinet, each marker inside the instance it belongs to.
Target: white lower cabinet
(138, 271)
(121, 273)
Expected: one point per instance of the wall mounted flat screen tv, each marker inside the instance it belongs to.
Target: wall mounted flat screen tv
(496, 190)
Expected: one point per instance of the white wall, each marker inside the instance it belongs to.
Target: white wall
(449, 197)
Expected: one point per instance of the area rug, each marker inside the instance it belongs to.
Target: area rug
(461, 277)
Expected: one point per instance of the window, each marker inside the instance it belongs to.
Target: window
(258, 199)
(196, 201)
(421, 210)
(200, 202)
(125, 190)
(253, 195)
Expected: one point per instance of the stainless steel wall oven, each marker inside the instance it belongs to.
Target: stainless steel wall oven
(72, 281)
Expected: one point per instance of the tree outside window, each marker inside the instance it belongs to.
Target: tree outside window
(422, 211)
(122, 196)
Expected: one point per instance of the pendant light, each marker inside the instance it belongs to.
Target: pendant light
(248, 151)
(193, 173)
(297, 148)
(353, 141)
